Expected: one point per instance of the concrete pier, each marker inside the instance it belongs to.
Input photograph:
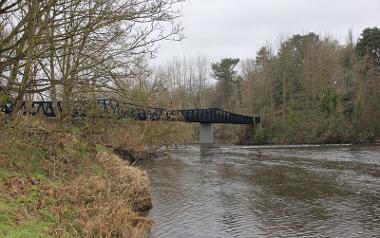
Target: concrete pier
(206, 134)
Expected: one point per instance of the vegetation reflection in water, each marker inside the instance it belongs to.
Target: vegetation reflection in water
(231, 191)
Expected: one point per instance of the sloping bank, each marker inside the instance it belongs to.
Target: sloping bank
(56, 182)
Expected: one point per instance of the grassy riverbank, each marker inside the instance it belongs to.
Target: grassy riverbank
(63, 180)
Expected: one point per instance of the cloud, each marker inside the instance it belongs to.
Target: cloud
(225, 28)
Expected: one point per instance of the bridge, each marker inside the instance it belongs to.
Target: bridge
(116, 109)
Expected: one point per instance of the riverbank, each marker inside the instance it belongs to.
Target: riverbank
(59, 180)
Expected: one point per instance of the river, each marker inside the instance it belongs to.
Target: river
(266, 191)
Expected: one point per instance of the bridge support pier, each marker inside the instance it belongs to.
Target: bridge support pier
(206, 134)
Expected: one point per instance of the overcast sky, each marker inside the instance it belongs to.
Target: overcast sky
(238, 28)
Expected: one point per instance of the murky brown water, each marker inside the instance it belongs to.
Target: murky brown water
(235, 191)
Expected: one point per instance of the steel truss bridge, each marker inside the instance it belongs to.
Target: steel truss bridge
(113, 108)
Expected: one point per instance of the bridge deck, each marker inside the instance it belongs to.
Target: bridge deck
(136, 112)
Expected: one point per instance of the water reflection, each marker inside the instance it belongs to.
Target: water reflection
(231, 191)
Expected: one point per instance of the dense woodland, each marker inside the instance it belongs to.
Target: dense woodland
(310, 89)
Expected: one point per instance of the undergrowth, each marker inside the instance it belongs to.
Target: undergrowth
(63, 180)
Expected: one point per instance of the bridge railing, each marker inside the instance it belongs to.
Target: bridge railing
(113, 108)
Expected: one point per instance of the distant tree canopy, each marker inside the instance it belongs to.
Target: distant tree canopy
(369, 44)
(311, 89)
(225, 69)
(262, 58)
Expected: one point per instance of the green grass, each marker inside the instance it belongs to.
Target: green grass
(35, 227)
(102, 148)
(6, 174)
(37, 224)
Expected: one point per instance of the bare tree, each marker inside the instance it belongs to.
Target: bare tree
(66, 49)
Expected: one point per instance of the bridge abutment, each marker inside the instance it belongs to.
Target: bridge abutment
(206, 134)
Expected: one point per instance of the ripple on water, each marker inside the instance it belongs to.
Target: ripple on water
(296, 191)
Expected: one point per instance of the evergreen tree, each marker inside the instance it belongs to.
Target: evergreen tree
(369, 44)
(225, 73)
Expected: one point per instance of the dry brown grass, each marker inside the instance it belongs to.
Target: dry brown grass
(61, 168)
(139, 139)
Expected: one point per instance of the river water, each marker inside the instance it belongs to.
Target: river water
(266, 191)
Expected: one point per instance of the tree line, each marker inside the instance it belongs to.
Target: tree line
(311, 89)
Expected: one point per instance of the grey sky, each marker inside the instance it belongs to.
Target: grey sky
(238, 28)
